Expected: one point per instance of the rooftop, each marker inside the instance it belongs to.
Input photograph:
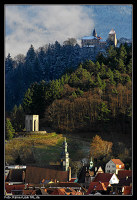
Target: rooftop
(103, 177)
(124, 173)
(88, 37)
(36, 174)
(117, 161)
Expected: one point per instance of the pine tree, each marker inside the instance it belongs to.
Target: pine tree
(8, 64)
(9, 130)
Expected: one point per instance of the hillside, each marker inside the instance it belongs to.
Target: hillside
(94, 96)
(42, 150)
(47, 63)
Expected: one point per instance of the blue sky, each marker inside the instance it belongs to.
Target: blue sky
(44, 24)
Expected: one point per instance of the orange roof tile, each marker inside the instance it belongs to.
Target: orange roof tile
(117, 161)
(97, 186)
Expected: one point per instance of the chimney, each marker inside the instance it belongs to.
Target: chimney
(69, 173)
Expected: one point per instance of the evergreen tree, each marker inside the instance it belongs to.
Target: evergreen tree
(8, 63)
(27, 102)
(9, 130)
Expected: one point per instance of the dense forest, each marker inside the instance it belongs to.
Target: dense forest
(72, 92)
(47, 63)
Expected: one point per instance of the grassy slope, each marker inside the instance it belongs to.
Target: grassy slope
(46, 149)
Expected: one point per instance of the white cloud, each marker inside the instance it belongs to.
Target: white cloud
(40, 25)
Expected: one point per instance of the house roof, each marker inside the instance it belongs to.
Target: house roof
(9, 188)
(60, 191)
(127, 190)
(29, 192)
(64, 184)
(97, 186)
(36, 174)
(103, 177)
(64, 191)
(100, 170)
(117, 162)
(88, 38)
(124, 173)
(125, 181)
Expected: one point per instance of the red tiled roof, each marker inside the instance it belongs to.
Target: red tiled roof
(117, 161)
(127, 190)
(13, 187)
(65, 191)
(60, 191)
(98, 186)
(124, 173)
(65, 184)
(103, 177)
(36, 174)
(29, 192)
(125, 181)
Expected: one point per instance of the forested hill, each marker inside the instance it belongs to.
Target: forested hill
(94, 96)
(46, 63)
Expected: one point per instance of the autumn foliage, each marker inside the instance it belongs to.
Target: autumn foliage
(100, 147)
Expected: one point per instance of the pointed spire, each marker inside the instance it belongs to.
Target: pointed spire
(94, 33)
(64, 139)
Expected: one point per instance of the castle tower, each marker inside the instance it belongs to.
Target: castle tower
(32, 122)
(94, 33)
(112, 37)
(65, 157)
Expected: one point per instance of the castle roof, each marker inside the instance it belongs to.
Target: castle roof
(88, 37)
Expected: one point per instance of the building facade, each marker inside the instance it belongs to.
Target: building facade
(32, 122)
(97, 41)
(114, 165)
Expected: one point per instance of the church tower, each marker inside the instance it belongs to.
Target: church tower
(94, 33)
(65, 157)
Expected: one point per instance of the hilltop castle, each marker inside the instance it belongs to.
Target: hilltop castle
(96, 41)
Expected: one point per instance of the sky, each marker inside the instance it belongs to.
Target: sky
(43, 24)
